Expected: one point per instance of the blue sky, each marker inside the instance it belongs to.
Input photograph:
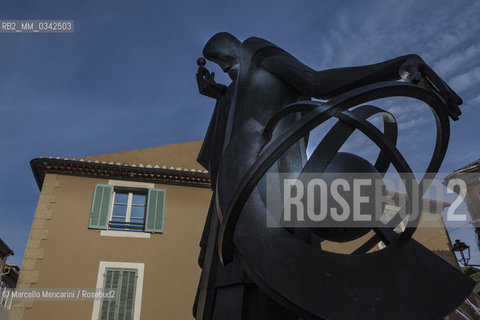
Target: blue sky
(126, 78)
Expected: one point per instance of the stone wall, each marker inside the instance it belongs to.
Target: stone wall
(34, 251)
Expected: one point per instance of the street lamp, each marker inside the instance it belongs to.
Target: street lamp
(464, 251)
(460, 247)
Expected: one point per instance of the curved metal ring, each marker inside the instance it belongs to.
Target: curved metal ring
(315, 117)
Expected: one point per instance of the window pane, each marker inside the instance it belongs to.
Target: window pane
(139, 199)
(137, 212)
(121, 198)
(119, 210)
(132, 203)
(118, 217)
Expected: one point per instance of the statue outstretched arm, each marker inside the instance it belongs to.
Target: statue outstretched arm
(330, 83)
(207, 85)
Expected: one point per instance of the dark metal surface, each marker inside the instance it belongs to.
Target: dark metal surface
(260, 125)
(319, 114)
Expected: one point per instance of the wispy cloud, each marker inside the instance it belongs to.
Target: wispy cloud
(464, 81)
(457, 60)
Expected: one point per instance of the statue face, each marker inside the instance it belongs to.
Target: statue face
(224, 49)
(233, 71)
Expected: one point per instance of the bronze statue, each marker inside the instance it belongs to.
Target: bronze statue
(261, 123)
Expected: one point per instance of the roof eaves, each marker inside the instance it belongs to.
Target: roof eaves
(95, 169)
(5, 249)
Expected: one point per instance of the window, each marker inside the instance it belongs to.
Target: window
(123, 208)
(123, 281)
(126, 278)
(128, 211)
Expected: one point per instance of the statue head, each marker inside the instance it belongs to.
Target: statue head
(223, 49)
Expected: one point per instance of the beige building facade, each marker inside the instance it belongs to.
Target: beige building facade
(65, 251)
(131, 221)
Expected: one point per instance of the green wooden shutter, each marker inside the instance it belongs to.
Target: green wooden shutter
(126, 302)
(111, 279)
(102, 197)
(155, 210)
(124, 282)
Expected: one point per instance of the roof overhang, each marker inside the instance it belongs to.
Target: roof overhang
(5, 251)
(121, 171)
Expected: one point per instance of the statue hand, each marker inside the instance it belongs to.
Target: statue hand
(410, 69)
(207, 85)
(416, 71)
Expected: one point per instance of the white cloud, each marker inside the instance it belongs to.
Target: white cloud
(456, 60)
(465, 80)
(411, 123)
(476, 99)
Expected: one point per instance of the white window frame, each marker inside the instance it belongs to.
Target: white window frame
(129, 204)
(131, 185)
(138, 290)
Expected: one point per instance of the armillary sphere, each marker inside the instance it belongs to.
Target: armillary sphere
(317, 284)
